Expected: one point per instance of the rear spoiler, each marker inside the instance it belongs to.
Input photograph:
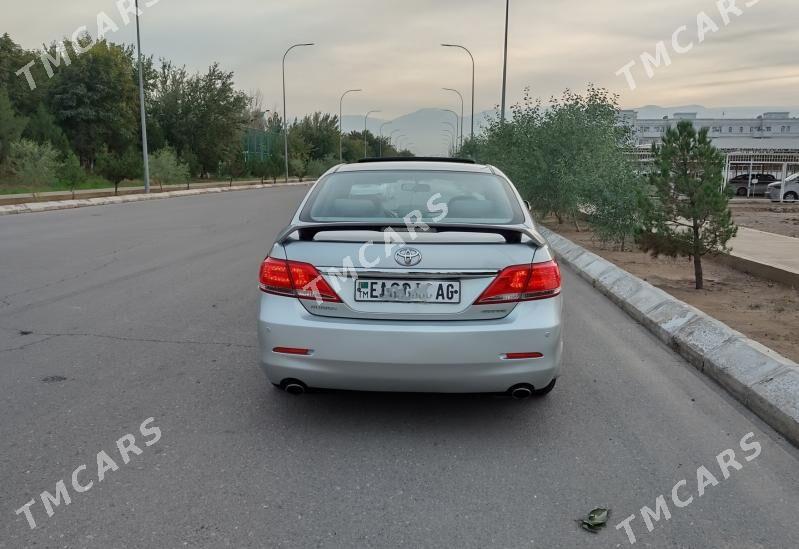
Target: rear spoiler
(511, 233)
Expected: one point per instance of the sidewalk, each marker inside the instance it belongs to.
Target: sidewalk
(32, 207)
(767, 255)
(22, 198)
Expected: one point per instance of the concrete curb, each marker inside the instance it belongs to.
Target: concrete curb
(763, 380)
(31, 207)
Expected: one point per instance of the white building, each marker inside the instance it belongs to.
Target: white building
(774, 131)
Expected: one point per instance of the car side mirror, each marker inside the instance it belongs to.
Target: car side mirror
(528, 205)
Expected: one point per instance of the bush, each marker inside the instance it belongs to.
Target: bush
(298, 167)
(70, 172)
(167, 169)
(33, 163)
(317, 167)
(117, 167)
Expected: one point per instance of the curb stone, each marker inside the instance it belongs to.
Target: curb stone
(32, 207)
(760, 378)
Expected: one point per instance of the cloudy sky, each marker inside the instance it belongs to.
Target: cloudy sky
(391, 48)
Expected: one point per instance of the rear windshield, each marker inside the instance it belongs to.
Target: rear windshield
(386, 196)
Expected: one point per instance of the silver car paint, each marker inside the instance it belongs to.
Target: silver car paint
(407, 346)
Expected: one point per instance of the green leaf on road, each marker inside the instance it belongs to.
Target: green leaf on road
(596, 520)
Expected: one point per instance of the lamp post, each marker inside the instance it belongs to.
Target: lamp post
(143, 111)
(383, 125)
(340, 116)
(461, 97)
(464, 48)
(451, 140)
(456, 122)
(365, 119)
(505, 62)
(285, 120)
(454, 135)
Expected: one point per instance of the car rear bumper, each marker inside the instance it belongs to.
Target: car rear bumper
(414, 356)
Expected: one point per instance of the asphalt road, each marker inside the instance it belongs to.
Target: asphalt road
(148, 310)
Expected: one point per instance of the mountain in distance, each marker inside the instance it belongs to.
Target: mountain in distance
(425, 128)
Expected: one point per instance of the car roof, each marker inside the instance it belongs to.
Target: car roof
(420, 165)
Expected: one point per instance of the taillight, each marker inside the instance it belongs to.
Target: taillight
(295, 279)
(523, 283)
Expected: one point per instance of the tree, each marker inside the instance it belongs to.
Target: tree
(167, 169)
(274, 166)
(94, 100)
(70, 172)
(33, 163)
(689, 214)
(43, 128)
(298, 167)
(11, 125)
(118, 167)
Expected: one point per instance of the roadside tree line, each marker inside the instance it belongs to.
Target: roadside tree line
(572, 158)
(81, 126)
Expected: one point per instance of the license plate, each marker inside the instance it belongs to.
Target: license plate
(408, 291)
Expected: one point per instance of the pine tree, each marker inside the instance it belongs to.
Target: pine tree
(688, 215)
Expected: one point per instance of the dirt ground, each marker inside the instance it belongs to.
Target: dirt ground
(765, 311)
(767, 216)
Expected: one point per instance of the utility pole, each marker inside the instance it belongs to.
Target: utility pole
(505, 62)
(464, 48)
(340, 116)
(365, 118)
(143, 110)
(285, 120)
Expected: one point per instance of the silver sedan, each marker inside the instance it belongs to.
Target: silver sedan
(411, 275)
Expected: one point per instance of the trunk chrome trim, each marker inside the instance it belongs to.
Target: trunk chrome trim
(359, 272)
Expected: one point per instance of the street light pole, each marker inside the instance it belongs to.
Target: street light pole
(461, 98)
(365, 118)
(464, 48)
(505, 62)
(383, 125)
(340, 116)
(285, 120)
(143, 111)
(456, 123)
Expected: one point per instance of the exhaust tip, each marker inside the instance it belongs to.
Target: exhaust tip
(520, 392)
(294, 387)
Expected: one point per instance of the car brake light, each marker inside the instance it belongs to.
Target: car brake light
(523, 283)
(295, 279)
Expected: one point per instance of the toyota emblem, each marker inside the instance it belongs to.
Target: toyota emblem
(408, 257)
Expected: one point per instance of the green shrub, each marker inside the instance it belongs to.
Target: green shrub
(317, 167)
(70, 173)
(167, 169)
(298, 167)
(33, 163)
(118, 167)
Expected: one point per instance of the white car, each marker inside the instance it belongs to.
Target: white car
(413, 275)
(790, 191)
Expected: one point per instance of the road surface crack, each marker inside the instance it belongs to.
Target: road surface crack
(50, 335)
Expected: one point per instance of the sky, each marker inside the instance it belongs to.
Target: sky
(391, 48)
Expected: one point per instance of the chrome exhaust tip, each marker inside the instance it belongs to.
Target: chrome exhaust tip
(294, 387)
(520, 392)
